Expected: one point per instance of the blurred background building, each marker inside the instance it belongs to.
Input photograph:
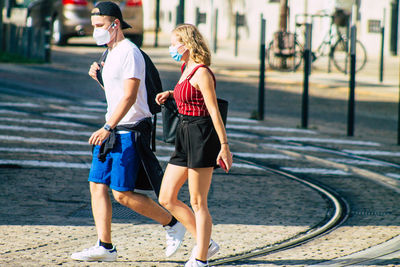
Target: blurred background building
(371, 16)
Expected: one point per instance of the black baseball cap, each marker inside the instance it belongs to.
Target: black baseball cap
(110, 9)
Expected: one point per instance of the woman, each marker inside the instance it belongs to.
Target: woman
(201, 141)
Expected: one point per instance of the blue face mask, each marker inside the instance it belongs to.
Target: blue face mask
(173, 51)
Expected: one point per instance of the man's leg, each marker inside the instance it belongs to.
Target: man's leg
(143, 205)
(102, 210)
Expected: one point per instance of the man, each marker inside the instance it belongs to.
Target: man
(119, 145)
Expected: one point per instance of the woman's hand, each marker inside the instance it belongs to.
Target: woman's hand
(99, 136)
(226, 156)
(162, 97)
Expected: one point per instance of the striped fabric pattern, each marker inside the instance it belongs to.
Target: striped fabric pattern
(188, 99)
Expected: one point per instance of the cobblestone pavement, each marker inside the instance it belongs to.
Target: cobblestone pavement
(44, 162)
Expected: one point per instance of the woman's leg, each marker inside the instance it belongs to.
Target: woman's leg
(174, 177)
(199, 185)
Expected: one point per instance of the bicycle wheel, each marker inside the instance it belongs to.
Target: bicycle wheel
(341, 57)
(278, 61)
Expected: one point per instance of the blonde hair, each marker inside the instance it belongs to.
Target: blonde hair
(194, 41)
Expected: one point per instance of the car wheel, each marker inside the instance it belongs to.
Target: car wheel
(137, 39)
(58, 37)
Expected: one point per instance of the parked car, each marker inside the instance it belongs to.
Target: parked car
(71, 18)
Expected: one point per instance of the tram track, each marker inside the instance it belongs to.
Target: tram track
(340, 212)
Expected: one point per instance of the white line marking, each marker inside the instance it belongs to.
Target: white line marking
(261, 155)
(163, 158)
(301, 148)
(245, 166)
(44, 130)
(72, 115)
(242, 135)
(356, 162)
(373, 152)
(314, 171)
(237, 119)
(44, 151)
(393, 175)
(27, 105)
(6, 111)
(95, 103)
(323, 140)
(47, 122)
(74, 108)
(42, 140)
(234, 165)
(166, 148)
(269, 129)
(51, 164)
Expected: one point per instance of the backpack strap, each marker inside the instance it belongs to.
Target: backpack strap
(99, 72)
(153, 133)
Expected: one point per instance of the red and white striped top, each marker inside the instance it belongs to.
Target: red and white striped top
(188, 99)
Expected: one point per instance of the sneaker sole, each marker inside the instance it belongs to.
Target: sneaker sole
(213, 251)
(174, 251)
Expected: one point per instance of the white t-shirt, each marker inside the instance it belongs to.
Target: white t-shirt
(123, 62)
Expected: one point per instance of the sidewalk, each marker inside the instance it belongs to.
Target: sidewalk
(44, 219)
(322, 83)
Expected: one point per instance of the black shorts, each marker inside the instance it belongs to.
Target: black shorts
(196, 143)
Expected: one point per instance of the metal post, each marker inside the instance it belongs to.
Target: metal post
(352, 83)
(2, 2)
(307, 70)
(261, 84)
(180, 12)
(398, 119)
(215, 31)
(157, 29)
(47, 39)
(394, 28)
(236, 33)
(382, 47)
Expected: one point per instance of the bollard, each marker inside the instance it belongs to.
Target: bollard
(352, 83)
(215, 31)
(157, 29)
(47, 39)
(180, 12)
(261, 84)
(382, 47)
(398, 119)
(236, 33)
(307, 71)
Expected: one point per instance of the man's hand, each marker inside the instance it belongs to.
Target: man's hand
(99, 136)
(94, 68)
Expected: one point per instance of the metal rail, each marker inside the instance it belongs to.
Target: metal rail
(339, 205)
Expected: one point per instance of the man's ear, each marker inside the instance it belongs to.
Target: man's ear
(115, 23)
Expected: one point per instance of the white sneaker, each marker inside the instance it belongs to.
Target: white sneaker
(194, 263)
(96, 253)
(174, 237)
(213, 248)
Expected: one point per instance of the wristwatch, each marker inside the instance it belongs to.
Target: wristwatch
(107, 127)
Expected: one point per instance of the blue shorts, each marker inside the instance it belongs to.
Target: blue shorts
(119, 170)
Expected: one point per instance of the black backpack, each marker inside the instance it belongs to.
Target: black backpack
(153, 87)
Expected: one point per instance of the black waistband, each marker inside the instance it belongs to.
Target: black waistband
(188, 118)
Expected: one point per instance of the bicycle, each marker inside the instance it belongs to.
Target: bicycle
(335, 45)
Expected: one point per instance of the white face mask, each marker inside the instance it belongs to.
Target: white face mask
(102, 36)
